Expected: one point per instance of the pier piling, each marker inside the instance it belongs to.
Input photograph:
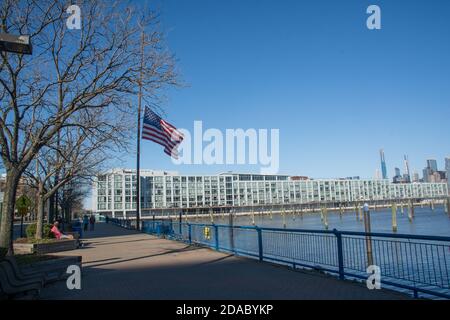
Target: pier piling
(448, 207)
(211, 215)
(411, 210)
(360, 213)
(325, 217)
(394, 217)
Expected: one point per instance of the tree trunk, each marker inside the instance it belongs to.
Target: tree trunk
(9, 201)
(40, 212)
(68, 214)
(51, 212)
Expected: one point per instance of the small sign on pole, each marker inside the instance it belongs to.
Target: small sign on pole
(23, 205)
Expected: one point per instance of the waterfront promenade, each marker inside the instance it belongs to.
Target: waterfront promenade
(125, 264)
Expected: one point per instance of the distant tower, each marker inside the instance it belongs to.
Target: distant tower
(416, 177)
(432, 164)
(383, 165)
(407, 173)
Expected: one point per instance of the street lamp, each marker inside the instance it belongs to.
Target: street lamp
(16, 44)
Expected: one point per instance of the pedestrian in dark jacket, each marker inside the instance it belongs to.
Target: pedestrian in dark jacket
(92, 222)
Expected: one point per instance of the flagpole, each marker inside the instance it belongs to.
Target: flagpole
(138, 173)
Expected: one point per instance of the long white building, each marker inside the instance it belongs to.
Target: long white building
(114, 193)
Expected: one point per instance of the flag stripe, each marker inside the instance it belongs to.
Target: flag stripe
(157, 134)
(161, 132)
(154, 138)
(172, 130)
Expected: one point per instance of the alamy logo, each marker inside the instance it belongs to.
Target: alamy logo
(74, 20)
(234, 146)
(374, 20)
(374, 279)
(74, 280)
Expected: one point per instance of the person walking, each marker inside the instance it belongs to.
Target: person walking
(92, 222)
(85, 222)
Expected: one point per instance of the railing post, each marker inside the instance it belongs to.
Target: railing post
(340, 254)
(216, 236)
(260, 244)
(190, 233)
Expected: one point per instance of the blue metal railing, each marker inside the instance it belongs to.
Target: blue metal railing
(410, 262)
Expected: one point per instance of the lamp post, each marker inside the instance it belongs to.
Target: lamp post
(15, 44)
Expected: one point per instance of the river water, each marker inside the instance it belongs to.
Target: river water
(425, 222)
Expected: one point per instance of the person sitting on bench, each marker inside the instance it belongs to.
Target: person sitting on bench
(58, 234)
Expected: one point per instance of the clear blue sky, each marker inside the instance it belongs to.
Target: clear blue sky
(337, 91)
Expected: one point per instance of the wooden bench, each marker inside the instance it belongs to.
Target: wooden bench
(55, 267)
(27, 275)
(12, 287)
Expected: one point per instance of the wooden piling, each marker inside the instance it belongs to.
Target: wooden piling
(448, 207)
(394, 217)
(411, 211)
(325, 218)
(360, 213)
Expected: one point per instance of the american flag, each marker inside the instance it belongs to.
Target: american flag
(160, 131)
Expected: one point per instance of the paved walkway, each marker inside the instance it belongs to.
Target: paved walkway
(124, 264)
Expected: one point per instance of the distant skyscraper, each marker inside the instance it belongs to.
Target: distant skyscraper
(398, 176)
(407, 174)
(432, 164)
(416, 177)
(383, 165)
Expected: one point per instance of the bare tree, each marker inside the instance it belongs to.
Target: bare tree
(80, 153)
(71, 73)
(71, 197)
